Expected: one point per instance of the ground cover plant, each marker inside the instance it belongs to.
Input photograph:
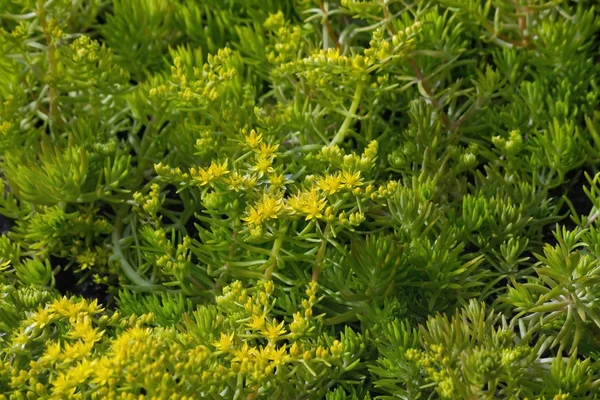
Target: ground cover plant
(308, 199)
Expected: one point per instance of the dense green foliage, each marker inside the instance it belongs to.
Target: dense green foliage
(248, 199)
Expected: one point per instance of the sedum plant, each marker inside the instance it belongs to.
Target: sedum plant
(363, 199)
(236, 348)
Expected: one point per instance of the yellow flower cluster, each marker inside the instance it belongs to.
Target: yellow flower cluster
(206, 84)
(323, 65)
(150, 203)
(313, 202)
(257, 181)
(85, 48)
(351, 162)
(511, 355)
(512, 146)
(238, 182)
(176, 260)
(269, 207)
(468, 372)
(66, 362)
(173, 259)
(309, 203)
(362, 6)
(264, 154)
(91, 257)
(91, 63)
(5, 126)
(259, 361)
(172, 173)
(400, 44)
(206, 142)
(286, 39)
(436, 364)
(239, 340)
(65, 308)
(204, 176)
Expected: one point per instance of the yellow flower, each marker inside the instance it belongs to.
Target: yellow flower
(200, 175)
(309, 203)
(269, 287)
(249, 182)
(446, 388)
(83, 330)
(264, 164)
(253, 139)
(276, 180)
(351, 180)
(42, 317)
(413, 355)
(235, 181)
(299, 324)
(256, 231)
(236, 287)
(20, 340)
(206, 176)
(257, 322)
(5, 126)
(243, 354)
(330, 183)
(63, 384)
(122, 345)
(356, 218)
(81, 372)
(321, 352)
(103, 371)
(225, 342)
(77, 350)
(278, 356)
(52, 352)
(371, 151)
(217, 170)
(253, 217)
(268, 150)
(68, 308)
(307, 355)
(268, 208)
(273, 331)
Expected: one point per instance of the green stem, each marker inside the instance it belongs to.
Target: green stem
(321, 254)
(341, 134)
(274, 254)
(52, 65)
(327, 29)
(118, 255)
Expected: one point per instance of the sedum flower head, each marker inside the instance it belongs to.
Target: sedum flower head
(273, 330)
(309, 203)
